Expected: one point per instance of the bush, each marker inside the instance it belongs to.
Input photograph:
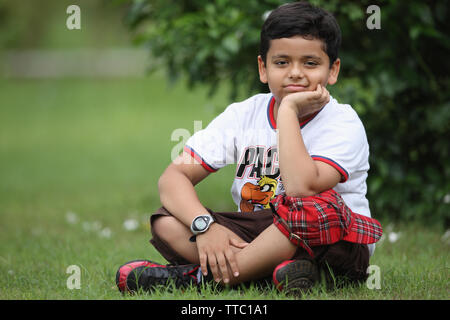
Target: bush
(395, 77)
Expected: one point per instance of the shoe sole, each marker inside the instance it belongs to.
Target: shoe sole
(122, 275)
(296, 277)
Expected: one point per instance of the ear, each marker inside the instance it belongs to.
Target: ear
(262, 70)
(334, 72)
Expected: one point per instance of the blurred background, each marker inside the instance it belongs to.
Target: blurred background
(80, 112)
(87, 115)
(396, 77)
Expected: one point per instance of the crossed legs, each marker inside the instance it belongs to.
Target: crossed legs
(255, 261)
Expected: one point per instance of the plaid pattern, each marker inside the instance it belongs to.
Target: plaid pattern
(322, 219)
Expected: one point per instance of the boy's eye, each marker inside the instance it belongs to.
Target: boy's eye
(281, 63)
(311, 63)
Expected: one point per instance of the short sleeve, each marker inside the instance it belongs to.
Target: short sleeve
(214, 147)
(342, 143)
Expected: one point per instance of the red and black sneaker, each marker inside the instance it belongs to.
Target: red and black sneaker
(147, 275)
(296, 276)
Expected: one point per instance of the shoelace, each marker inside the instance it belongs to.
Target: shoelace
(184, 277)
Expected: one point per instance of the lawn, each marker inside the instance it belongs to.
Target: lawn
(79, 164)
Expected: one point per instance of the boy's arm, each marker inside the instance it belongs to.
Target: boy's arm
(301, 175)
(176, 189)
(178, 196)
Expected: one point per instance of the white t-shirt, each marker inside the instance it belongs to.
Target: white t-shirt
(245, 134)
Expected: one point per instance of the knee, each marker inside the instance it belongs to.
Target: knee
(166, 228)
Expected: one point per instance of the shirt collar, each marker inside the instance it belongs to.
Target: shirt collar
(271, 118)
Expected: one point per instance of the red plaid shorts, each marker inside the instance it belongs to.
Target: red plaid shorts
(322, 219)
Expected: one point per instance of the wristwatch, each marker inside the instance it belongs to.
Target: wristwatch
(201, 223)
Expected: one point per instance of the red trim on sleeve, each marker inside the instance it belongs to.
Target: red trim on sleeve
(194, 155)
(334, 164)
(270, 115)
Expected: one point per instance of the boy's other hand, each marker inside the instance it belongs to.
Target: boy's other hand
(215, 249)
(306, 102)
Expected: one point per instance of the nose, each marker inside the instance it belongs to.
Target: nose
(296, 72)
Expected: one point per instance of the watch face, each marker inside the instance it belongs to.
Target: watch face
(200, 223)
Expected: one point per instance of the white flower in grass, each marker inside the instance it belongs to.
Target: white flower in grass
(105, 233)
(393, 236)
(71, 217)
(131, 224)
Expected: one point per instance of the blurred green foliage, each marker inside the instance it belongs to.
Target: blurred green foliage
(396, 77)
(26, 25)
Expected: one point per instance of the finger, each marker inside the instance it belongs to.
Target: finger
(222, 262)
(326, 94)
(319, 89)
(232, 261)
(203, 263)
(323, 96)
(316, 94)
(320, 92)
(212, 260)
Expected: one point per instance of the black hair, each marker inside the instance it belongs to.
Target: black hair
(301, 19)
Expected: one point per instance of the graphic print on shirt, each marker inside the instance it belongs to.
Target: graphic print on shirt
(260, 164)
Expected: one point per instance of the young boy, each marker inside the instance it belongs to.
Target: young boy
(299, 154)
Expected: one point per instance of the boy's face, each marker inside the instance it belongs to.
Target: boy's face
(296, 64)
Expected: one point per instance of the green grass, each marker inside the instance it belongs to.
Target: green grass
(94, 149)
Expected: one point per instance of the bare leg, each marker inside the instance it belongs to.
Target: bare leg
(262, 255)
(176, 235)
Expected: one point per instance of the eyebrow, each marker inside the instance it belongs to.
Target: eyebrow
(278, 56)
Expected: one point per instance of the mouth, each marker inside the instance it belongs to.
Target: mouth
(295, 88)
